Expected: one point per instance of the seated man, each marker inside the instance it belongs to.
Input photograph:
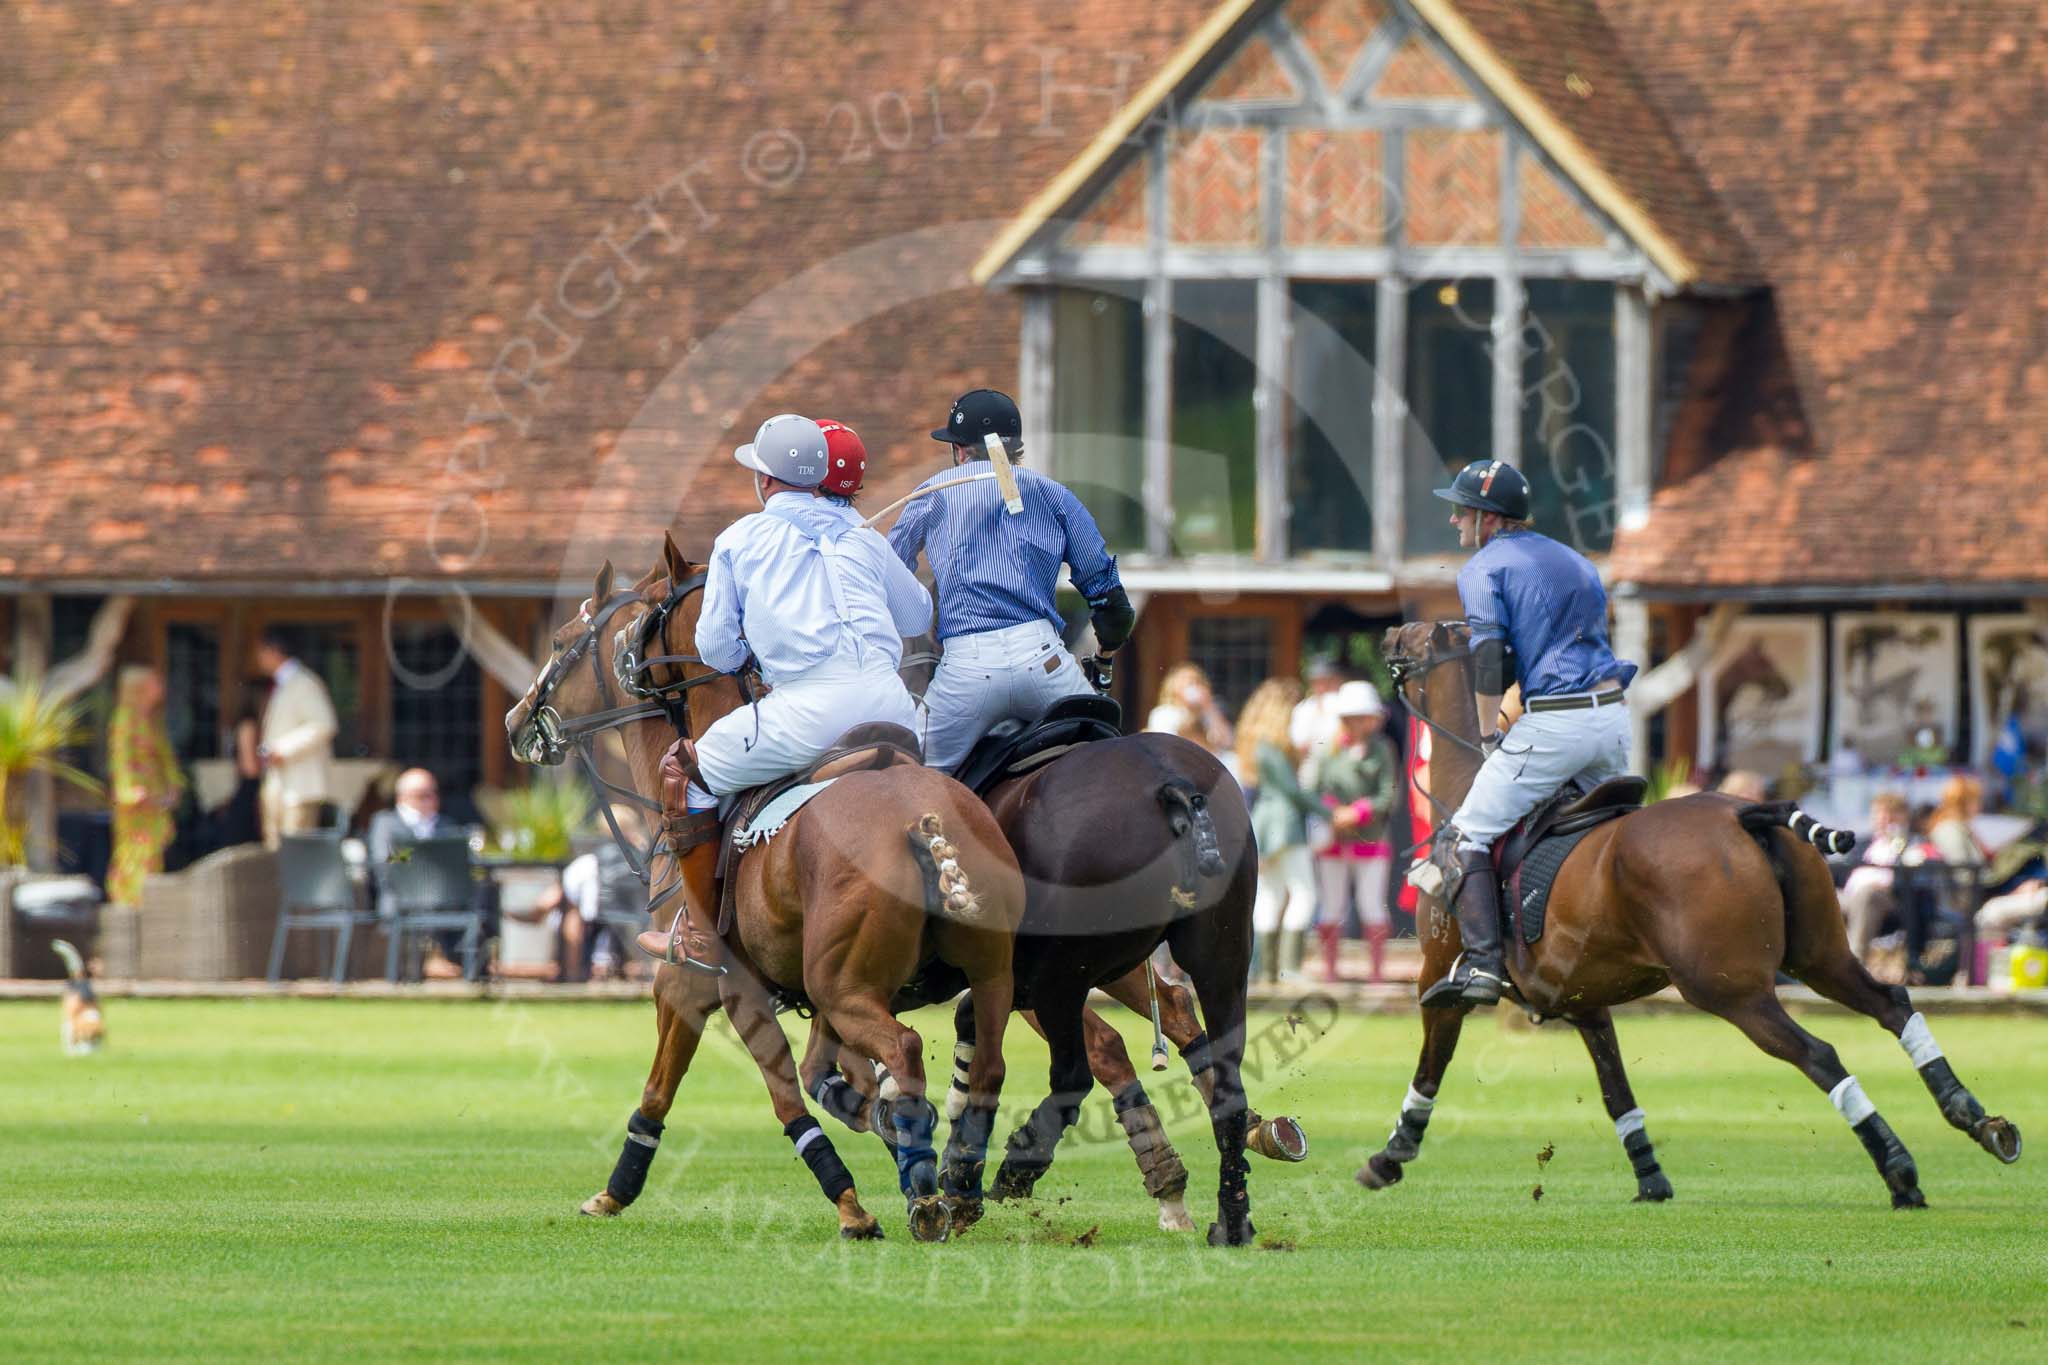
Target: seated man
(593, 885)
(823, 604)
(417, 816)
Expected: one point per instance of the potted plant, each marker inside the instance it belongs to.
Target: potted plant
(35, 730)
(539, 822)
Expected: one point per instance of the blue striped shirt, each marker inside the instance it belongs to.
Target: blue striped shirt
(1546, 601)
(993, 570)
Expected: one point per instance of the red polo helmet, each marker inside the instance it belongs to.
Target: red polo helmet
(848, 462)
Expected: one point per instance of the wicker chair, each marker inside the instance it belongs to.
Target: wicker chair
(213, 921)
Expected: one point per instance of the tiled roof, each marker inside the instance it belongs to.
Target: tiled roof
(1890, 425)
(257, 264)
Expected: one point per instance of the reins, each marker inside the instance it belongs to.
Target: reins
(555, 738)
(1404, 670)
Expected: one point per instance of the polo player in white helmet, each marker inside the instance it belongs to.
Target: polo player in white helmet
(822, 604)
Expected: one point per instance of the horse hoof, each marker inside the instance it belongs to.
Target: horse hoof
(1173, 1216)
(1654, 1190)
(601, 1205)
(870, 1231)
(1999, 1136)
(1379, 1171)
(1909, 1198)
(930, 1219)
(1011, 1184)
(966, 1213)
(1240, 1234)
(1279, 1139)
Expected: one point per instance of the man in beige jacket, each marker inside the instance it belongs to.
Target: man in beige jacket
(298, 741)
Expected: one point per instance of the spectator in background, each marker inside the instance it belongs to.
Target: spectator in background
(597, 883)
(1286, 903)
(1870, 895)
(1314, 727)
(1745, 785)
(416, 816)
(1948, 829)
(142, 773)
(1187, 707)
(297, 746)
(1355, 780)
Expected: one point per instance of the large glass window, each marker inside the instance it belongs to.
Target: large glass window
(1098, 401)
(1329, 474)
(436, 695)
(192, 689)
(1450, 400)
(1568, 407)
(1215, 333)
(1235, 651)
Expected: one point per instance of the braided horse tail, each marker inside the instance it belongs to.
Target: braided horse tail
(947, 892)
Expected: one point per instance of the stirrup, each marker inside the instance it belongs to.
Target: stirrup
(672, 951)
(1457, 988)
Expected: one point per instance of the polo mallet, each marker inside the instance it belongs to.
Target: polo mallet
(1006, 477)
(1158, 1033)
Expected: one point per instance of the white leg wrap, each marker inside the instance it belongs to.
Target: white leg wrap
(1850, 1101)
(1918, 1040)
(1417, 1101)
(1631, 1122)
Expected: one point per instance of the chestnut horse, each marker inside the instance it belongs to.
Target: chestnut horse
(1105, 890)
(842, 906)
(1703, 892)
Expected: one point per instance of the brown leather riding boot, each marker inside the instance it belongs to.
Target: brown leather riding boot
(691, 941)
(693, 838)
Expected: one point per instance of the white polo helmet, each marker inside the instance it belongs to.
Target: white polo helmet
(789, 448)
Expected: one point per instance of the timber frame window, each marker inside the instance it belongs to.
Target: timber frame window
(1329, 273)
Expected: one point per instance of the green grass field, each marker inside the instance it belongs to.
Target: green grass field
(373, 1180)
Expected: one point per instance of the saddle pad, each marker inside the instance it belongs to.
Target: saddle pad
(1528, 895)
(769, 820)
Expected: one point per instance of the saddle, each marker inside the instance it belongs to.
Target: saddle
(876, 744)
(1528, 857)
(1014, 747)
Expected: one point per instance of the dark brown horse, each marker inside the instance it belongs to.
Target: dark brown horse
(1702, 892)
(842, 907)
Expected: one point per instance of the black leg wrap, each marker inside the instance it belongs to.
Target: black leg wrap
(1641, 1154)
(1130, 1097)
(1406, 1142)
(1196, 1054)
(818, 1153)
(1893, 1162)
(837, 1097)
(1958, 1105)
(629, 1176)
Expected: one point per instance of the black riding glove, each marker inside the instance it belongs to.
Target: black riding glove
(1100, 672)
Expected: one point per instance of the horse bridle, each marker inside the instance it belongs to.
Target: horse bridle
(553, 739)
(1403, 670)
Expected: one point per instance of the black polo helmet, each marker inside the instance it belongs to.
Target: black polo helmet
(1490, 486)
(977, 413)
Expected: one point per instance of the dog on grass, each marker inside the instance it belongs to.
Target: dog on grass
(85, 1029)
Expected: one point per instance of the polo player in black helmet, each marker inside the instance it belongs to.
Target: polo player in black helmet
(1538, 616)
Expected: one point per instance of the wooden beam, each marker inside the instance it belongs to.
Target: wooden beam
(1389, 419)
(1035, 379)
(1632, 402)
(1158, 483)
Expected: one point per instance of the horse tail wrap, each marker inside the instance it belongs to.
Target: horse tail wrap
(1785, 815)
(947, 892)
(1187, 815)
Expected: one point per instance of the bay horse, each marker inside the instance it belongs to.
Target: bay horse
(1710, 894)
(1127, 843)
(843, 906)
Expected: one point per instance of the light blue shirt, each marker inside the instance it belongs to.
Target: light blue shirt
(1546, 601)
(994, 570)
(807, 588)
